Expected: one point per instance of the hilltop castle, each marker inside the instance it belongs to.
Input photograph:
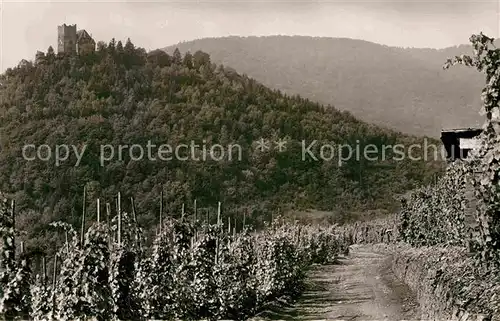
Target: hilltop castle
(71, 41)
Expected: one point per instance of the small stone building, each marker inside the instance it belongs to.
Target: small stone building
(458, 144)
(84, 42)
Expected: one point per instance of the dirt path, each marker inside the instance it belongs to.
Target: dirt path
(360, 287)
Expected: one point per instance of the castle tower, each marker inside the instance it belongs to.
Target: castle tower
(66, 38)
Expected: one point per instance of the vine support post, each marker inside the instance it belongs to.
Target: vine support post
(13, 215)
(54, 281)
(119, 236)
(134, 217)
(244, 217)
(44, 270)
(218, 213)
(108, 217)
(82, 232)
(217, 239)
(195, 211)
(98, 211)
(161, 209)
(134, 213)
(195, 220)
(67, 240)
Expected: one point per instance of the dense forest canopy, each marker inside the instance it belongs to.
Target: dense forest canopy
(123, 95)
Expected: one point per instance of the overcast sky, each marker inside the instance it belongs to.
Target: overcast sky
(26, 27)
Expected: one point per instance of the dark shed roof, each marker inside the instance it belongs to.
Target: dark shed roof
(451, 141)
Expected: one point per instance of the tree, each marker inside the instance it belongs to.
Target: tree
(177, 57)
(129, 47)
(200, 58)
(119, 47)
(159, 57)
(40, 57)
(112, 45)
(50, 54)
(101, 46)
(188, 60)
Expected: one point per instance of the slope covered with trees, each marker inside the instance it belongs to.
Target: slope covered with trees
(401, 88)
(122, 95)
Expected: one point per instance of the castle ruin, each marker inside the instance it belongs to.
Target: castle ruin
(69, 40)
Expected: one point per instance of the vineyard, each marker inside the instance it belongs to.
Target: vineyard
(191, 270)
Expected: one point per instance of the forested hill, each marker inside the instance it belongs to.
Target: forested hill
(401, 88)
(121, 95)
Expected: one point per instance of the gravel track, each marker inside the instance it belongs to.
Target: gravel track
(360, 287)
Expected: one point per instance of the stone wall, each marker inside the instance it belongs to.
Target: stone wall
(470, 212)
(447, 284)
(447, 281)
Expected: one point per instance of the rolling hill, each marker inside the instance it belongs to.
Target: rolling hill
(123, 96)
(401, 88)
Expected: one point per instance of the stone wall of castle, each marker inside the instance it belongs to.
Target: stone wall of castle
(66, 38)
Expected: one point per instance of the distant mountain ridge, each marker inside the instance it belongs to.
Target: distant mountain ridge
(401, 88)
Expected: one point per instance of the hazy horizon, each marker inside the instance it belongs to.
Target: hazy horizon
(30, 26)
(465, 43)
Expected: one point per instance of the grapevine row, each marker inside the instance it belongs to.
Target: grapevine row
(191, 270)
